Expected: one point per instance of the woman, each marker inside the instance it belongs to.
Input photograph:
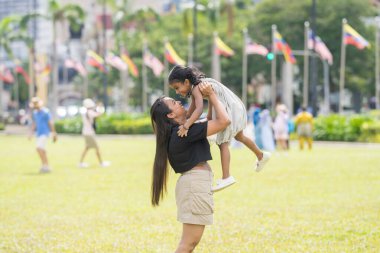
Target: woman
(189, 157)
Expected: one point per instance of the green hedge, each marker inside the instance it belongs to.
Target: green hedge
(347, 128)
(109, 124)
(2, 126)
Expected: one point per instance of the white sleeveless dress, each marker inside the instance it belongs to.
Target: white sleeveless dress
(235, 109)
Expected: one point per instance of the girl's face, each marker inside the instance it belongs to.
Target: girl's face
(180, 88)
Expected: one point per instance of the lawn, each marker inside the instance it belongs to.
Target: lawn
(327, 200)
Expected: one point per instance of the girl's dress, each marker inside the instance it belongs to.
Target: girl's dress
(235, 109)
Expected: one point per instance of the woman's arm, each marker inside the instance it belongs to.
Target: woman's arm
(209, 112)
(221, 120)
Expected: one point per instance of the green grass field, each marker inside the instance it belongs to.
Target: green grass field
(327, 200)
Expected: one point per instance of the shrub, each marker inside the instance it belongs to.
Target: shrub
(109, 124)
(2, 126)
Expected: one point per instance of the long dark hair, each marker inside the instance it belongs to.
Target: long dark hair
(180, 73)
(162, 128)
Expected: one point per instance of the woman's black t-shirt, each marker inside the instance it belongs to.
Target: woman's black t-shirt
(186, 152)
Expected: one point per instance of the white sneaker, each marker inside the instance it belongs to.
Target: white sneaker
(223, 183)
(261, 163)
(83, 165)
(45, 169)
(105, 164)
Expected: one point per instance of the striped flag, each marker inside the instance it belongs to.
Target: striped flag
(254, 48)
(352, 37)
(116, 62)
(131, 65)
(281, 45)
(6, 75)
(94, 60)
(77, 65)
(320, 47)
(222, 48)
(152, 62)
(172, 56)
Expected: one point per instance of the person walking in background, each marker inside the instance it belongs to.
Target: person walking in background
(185, 81)
(304, 123)
(281, 128)
(188, 156)
(256, 119)
(266, 126)
(42, 126)
(88, 132)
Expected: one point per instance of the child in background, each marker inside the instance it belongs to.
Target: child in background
(185, 80)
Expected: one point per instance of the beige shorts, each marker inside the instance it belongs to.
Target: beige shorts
(195, 202)
(304, 130)
(90, 141)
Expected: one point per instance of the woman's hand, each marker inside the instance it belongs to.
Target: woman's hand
(206, 89)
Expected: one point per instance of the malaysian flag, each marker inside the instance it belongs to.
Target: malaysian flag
(152, 62)
(254, 48)
(320, 47)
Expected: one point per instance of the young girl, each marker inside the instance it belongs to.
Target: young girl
(185, 80)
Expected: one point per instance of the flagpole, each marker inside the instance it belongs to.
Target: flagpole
(244, 74)
(190, 46)
(215, 60)
(306, 67)
(85, 86)
(326, 85)
(342, 68)
(17, 91)
(31, 75)
(377, 71)
(273, 69)
(144, 79)
(166, 64)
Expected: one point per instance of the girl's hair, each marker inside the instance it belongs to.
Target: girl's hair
(162, 128)
(180, 73)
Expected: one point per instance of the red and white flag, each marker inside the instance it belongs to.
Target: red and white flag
(80, 68)
(320, 47)
(254, 48)
(6, 75)
(152, 62)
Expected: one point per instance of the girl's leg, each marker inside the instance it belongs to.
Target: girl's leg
(225, 159)
(250, 144)
(191, 236)
(98, 155)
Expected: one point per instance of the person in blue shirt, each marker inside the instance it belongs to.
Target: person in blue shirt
(42, 126)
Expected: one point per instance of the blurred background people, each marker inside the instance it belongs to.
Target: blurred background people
(88, 132)
(42, 125)
(304, 123)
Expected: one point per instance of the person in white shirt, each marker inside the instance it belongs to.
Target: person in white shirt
(88, 132)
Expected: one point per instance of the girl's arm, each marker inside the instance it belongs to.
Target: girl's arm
(198, 107)
(191, 108)
(209, 113)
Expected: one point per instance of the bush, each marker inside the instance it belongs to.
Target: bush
(109, 124)
(2, 126)
(339, 128)
(370, 131)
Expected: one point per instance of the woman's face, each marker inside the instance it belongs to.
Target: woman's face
(181, 88)
(175, 107)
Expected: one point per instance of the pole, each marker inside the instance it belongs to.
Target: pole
(377, 71)
(17, 99)
(166, 72)
(273, 69)
(215, 60)
(326, 84)
(105, 96)
(195, 30)
(244, 63)
(306, 67)
(54, 97)
(144, 78)
(314, 65)
(342, 68)
(191, 52)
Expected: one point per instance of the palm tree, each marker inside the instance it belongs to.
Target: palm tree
(57, 13)
(10, 32)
